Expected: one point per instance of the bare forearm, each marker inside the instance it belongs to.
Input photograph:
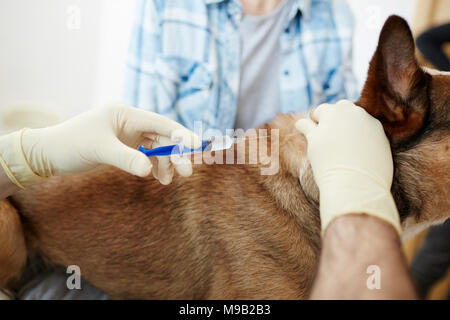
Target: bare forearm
(362, 259)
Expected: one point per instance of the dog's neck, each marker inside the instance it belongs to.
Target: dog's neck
(417, 197)
(422, 201)
(293, 186)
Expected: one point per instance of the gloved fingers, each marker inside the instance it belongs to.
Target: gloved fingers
(186, 137)
(165, 168)
(154, 138)
(305, 126)
(182, 164)
(117, 154)
(154, 162)
(345, 111)
(150, 122)
(325, 110)
(345, 102)
(320, 112)
(147, 143)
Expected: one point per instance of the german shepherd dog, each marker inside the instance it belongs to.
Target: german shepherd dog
(228, 232)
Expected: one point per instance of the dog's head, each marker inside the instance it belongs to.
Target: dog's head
(413, 105)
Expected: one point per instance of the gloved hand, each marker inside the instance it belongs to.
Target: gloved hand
(101, 136)
(352, 163)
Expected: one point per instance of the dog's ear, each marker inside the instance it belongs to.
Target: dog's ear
(396, 86)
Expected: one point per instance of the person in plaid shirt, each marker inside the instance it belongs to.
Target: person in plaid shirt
(236, 64)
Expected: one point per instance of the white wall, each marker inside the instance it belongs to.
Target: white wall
(370, 16)
(61, 56)
(43, 62)
(47, 61)
(115, 31)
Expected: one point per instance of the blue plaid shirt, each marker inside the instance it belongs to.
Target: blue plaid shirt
(184, 58)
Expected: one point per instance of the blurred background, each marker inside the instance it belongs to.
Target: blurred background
(63, 57)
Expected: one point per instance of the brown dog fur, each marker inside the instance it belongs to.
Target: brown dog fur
(229, 232)
(13, 252)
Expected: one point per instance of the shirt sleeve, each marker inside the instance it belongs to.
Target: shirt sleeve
(341, 82)
(145, 87)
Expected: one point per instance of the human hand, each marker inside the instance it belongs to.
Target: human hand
(100, 136)
(352, 162)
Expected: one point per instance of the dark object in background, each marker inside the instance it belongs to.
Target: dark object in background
(430, 45)
(432, 261)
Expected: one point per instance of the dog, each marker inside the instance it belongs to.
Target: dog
(228, 232)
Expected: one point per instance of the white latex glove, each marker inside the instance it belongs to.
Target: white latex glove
(352, 163)
(101, 136)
